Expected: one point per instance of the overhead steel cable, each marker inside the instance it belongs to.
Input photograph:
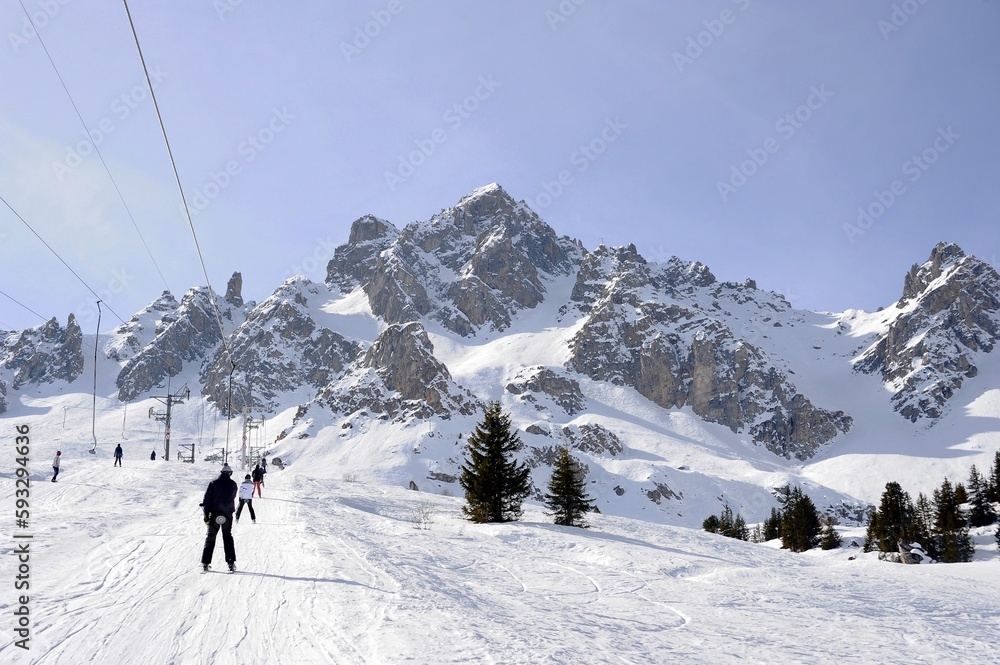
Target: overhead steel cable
(16, 301)
(56, 254)
(94, 143)
(177, 178)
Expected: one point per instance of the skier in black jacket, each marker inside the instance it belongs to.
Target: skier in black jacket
(219, 506)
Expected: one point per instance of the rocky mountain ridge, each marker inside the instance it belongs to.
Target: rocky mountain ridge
(948, 315)
(438, 293)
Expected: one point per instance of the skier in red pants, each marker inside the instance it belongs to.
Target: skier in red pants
(258, 481)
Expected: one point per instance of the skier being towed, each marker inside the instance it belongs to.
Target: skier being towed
(219, 506)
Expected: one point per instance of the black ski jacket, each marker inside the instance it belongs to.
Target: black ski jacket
(258, 475)
(220, 497)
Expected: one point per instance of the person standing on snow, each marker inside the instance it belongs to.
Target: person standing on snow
(246, 496)
(55, 465)
(118, 455)
(219, 505)
(152, 456)
(258, 480)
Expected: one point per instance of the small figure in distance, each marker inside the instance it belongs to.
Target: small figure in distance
(258, 480)
(118, 455)
(246, 496)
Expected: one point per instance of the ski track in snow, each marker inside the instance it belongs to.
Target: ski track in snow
(338, 572)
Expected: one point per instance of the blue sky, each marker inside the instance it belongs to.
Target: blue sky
(818, 148)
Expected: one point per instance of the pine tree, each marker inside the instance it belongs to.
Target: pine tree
(567, 497)
(772, 525)
(800, 524)
(495, 483)
(726, 524)
(923, 523)
(961, 494)
(873, 530)
(830, 540)
(981, 511)
(711, 524)
(993, 489)
(951, 531)
(740, 529)
(726, 521)
(892, 521)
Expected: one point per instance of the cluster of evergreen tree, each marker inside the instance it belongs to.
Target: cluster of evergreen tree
(797, 523)
(939, 524)
(725, 524)
(800, 525)
(496, 484)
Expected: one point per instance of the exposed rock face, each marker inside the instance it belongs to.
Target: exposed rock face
(352, 264)
(911, 554)
(187, 335)
(671, 331)
(142, 328)
(43, 354)
(234, 290)
(594, 439)
(399, 376)
(3, 396)
(662, 491)
(646, 331)
(564, 391)
(949, 313)
(278, 349)
(589, 438)
(471, 266)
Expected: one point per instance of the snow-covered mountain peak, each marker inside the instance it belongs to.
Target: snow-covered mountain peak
(948, 316)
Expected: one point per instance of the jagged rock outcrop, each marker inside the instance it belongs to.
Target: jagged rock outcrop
(142, 328)
(471, 266)
(352, 264)
(562, 390)
(644, 331)
(662, 491)
(44, 354)
(278, 349)
(589, 438)
(399, 376)
(234, 290)
(594, 439)
(949, 313)
(3, 396)
(186, 336)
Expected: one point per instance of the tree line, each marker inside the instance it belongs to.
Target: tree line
(797, 522)
(496, 485)
(940, 524)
